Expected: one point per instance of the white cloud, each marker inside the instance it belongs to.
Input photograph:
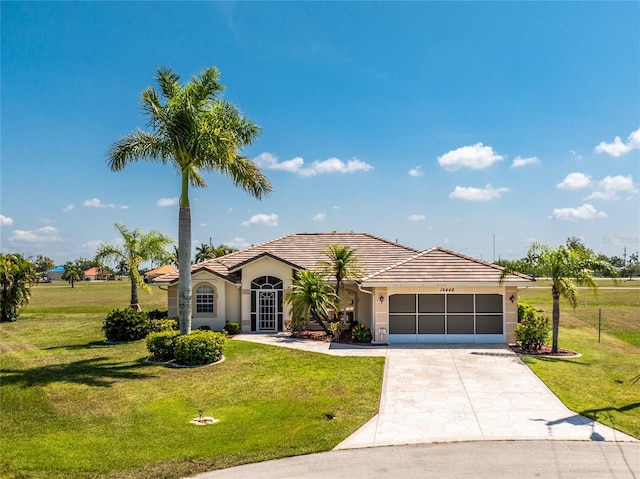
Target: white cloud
(619, 147)
(46, 234)
(262, 219)
(417, 171)
(68, 208)
(96, 203)
(238, 243)
(575, 181)
(584, 212)
(319, 217)
(477, 194)
(5, 220)
(475, 157)
(575, 155)
(446, 241)
(91, 246)
(203, 225)
(296, 165)
(162, 202)
(610, 187)
(416, 217)
(518, 162)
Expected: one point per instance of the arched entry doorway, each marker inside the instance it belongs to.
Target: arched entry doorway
(266, 304)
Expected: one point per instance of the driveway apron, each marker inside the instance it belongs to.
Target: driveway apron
(450, 393)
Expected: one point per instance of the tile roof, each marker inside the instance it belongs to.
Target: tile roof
(383, 261)
(440, 265)
(160, 270)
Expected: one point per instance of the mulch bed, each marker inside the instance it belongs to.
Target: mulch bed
(345, 337)
(545, 350)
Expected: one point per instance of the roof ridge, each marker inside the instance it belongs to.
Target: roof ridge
(395, 265)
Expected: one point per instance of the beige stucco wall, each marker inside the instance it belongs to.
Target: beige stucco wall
(511, 312)
(172, 301)
(263, 267)
(217, 319)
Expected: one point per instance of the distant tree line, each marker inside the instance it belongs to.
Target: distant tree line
(624, 269)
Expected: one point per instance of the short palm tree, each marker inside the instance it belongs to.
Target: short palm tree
(342, 263)
(72, 273)
(194, 131)
(17, 275)
(311, 298)
(137, 247)
(567, 268)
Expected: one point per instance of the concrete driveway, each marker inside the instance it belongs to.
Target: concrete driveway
(450, 393)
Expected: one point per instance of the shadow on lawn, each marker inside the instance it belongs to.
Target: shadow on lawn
(102, 372)
(75, 347)
(594, 412)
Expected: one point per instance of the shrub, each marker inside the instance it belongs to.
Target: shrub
(533, 329)
(232, 328)
(126, 325)
(336, 328)
(199, 347)
(161, 345)
(167, 324)
(157, 314)
(361, 333)
(204, 327)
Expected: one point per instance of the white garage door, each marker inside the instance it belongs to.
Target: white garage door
(446, 318)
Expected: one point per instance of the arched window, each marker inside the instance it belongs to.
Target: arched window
(204, 299)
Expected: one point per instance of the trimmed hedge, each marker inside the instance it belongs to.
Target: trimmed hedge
(199, 347)
(162, 344)
(126, 325)
(167, 324)
(232, 328)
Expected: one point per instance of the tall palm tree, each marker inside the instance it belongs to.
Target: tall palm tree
(311, 298)
(137, 247)
(567, 268)
(194, 131)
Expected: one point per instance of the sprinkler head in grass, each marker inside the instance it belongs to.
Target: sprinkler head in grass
(200, 411)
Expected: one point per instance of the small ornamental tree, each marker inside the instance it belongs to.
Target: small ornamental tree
(17, 275)
(72, 273)
(567, 267)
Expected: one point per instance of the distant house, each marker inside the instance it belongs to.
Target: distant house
(404, 296)
(155, 273)
(94, 274)
(55, 274)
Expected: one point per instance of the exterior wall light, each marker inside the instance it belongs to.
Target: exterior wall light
(381, 299)
(512, 298)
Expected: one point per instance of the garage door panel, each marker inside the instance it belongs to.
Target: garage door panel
(488, 303)
(489, 324)
(460, 324)
(431, 324)
(460, 303)
(402, 303)
(402, 324)
(431, 303)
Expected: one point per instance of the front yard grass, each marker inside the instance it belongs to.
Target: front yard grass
(603, 383)
(74, 407)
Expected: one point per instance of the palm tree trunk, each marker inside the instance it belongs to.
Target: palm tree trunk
(184, 257)
(134, 294)
(556, 323)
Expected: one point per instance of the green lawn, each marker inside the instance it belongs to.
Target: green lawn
(599, 384)
(73, 407)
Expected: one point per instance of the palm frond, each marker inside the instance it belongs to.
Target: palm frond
(136, 146)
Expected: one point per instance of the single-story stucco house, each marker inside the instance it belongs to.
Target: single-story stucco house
(95, 274)
(55, 274)
(404, 296)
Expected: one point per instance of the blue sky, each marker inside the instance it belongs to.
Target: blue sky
(433, 124)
